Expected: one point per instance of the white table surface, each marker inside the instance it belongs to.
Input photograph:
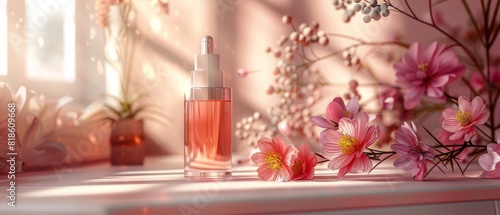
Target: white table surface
(159, 187)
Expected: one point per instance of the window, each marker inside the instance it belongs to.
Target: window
(50, 33)
(50, 49)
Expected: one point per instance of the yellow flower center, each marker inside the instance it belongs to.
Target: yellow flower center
(348, 144)
(463, 117)
(273, 160)
(423, 67)
(346, 113)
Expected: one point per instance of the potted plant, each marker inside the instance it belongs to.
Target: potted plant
(127, 132)
(127, 110)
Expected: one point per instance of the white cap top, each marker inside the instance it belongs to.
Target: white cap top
(206, 66)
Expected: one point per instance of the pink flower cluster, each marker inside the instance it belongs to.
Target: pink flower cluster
(279, 161)
(458, 126)
(346, 136)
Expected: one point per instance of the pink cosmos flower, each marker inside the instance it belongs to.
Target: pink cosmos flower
(344, 147)
(426, 72)
(335, 111)
(274, 159)
(414, 154)
(461, 123)
(444, 137)
(490, 161)
(303, 166)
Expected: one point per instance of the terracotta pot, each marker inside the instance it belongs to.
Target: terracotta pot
(127, 142)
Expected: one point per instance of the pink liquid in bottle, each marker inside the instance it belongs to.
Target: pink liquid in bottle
(208, 138)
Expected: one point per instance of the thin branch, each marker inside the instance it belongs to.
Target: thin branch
(434, 137)
(493, 23)
(432, 168)
(383, 43)
(462, 46)
(473, 20)
(466, 167)
(345, 37)
(495, 34)
(461, 145)
(381, 161)
(321, 156)
(459, 167)
(467, 82)
(411, 10)
(483, 7)
(484, 133)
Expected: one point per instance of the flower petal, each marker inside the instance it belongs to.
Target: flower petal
(450, 123)
(464, 104)
(405, 162)
(265, 144)
(489, 160)
(258, 158)
(420, 172)
(343, 171)
(492, 174)
(401, 148)
(361, 164)
(413, 97)
(322, 122)
(284, 174)
(266, 174)
(335, 110)
(340, 161)
(347, 126)
(331, 150)
(353, 107)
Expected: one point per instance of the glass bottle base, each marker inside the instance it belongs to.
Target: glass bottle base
(200, 174)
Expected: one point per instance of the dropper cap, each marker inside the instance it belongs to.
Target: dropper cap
(206, 66)
(207, 45)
